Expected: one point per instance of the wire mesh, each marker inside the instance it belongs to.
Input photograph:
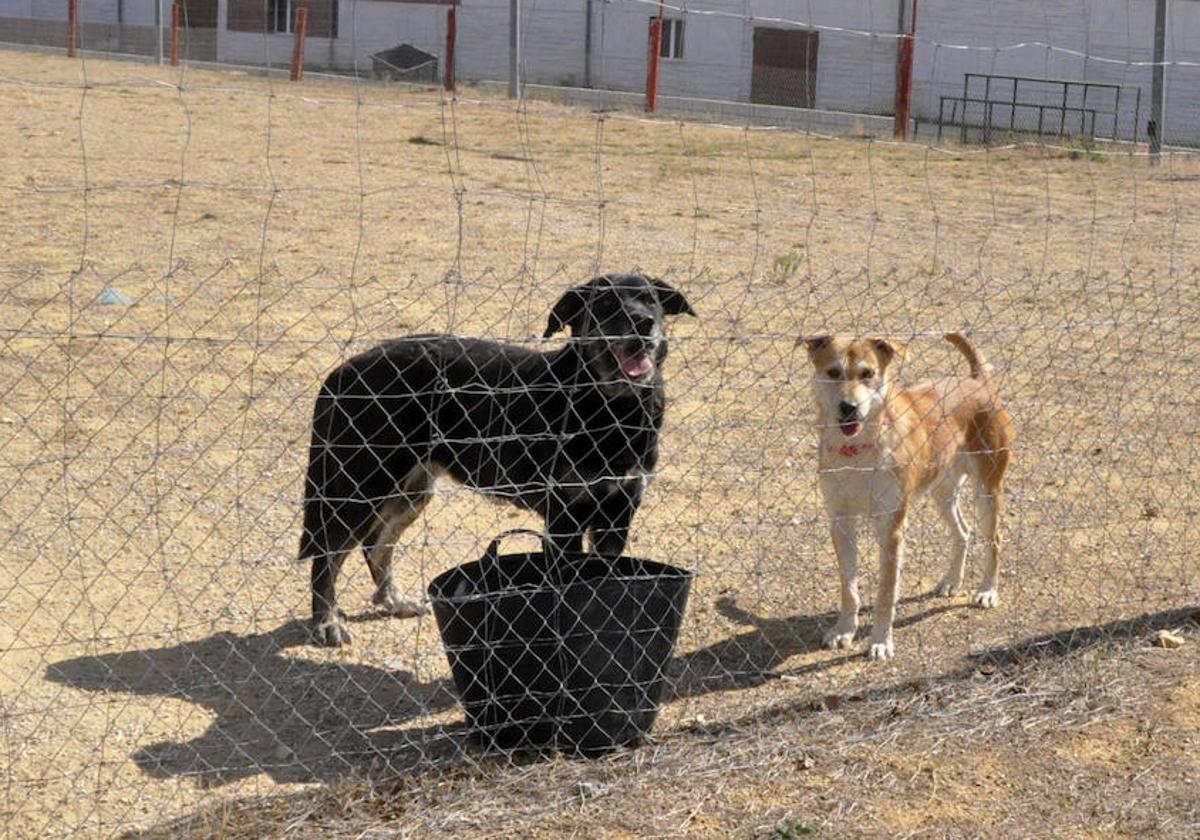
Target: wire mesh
(191, 253)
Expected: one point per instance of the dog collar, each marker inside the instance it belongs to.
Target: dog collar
(850, 450)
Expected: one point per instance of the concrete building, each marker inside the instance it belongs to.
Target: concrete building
(838, 55)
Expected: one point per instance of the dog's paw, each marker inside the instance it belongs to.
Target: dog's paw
(837, 639)
(332, 632)
(881, 651)
(948, 586)
(841, 635)
(395, 604)
(985, 599)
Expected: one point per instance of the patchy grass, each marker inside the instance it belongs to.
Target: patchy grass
(1087, 733)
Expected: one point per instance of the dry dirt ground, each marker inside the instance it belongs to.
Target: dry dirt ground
(1085, 734)
(186, 253)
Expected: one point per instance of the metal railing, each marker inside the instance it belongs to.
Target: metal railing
(1071, 106)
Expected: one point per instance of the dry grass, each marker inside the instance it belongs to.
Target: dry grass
(1087, 734)
(152, 657)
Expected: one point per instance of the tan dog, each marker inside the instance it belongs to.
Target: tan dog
(883, 447)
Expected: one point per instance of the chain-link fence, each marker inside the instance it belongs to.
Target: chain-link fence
(200, 266)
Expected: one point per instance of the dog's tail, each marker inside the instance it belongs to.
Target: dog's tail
(979, 368)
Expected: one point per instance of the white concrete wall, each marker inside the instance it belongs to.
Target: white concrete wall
(1182, 120)
(139, 12)
(553, 31)
(135, 12)
(1100, 26)
(364, 27)
(553, 34)
(112, 25)
(1119, 30)
(855, 71)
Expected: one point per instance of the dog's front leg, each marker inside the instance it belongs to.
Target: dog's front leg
(610, 542)
(889, 529)
(845, 545)
(564, 530)
(379, 550)
(610, 526)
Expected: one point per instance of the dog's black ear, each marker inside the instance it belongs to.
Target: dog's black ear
(813, 342)
(566, 312)
(671, 299)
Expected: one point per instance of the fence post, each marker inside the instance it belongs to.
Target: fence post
(903, 88)
(904, 77)
(652, 64)
(514, 49)
(298, 45)
(72, 25)
(1154, 129)
(176, 17)
(448, 76)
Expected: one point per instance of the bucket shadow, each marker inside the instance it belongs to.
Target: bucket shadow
(292, 718)
(1014, 656)
(303, 721)
(751, 658)
(1004, 660)
(298, 720)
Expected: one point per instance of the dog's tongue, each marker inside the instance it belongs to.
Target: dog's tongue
(637, 365)
(850, 429)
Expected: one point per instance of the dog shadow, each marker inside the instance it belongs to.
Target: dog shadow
(296, 719)
(1004, 659)
(752, 658)
(300, 720)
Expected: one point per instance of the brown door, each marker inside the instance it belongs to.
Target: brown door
(199, 23)
(200, 14)
(785, 67)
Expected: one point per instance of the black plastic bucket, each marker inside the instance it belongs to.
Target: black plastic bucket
(569, 655)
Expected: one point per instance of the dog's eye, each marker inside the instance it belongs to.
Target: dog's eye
(866, 373)
(834, 373)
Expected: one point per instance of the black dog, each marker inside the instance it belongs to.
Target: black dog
(571, 434)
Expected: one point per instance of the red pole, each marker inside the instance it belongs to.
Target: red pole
(298, 46)
(652, 64)
(903, 88)
(176, 15)
(904, 79)
(72, 26)
(450, 33)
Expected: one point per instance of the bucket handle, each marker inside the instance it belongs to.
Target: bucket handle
(490, 562)
(555, 568)
(492, 554)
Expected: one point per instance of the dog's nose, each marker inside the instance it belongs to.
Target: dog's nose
(847, 409)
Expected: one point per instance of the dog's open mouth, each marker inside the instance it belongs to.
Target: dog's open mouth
(850, 428)
(635, 363)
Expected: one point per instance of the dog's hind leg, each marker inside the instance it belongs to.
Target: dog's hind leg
(990, 500)
(380, 545)
(991, 466)
(328, 537)
(948, 495)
